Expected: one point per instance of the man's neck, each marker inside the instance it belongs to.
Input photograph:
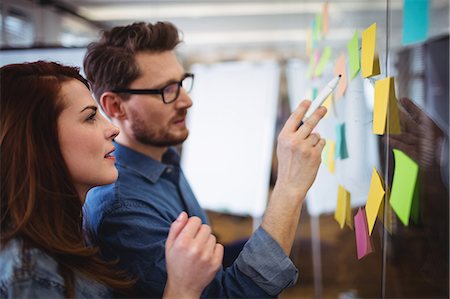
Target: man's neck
(154, 152)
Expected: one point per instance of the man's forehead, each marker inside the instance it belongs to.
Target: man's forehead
(158, 67)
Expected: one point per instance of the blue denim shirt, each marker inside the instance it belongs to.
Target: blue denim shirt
(31, 273)
(130, 220)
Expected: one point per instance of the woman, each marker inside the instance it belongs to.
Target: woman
(55, 146)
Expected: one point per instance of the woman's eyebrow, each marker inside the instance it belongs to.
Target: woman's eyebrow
(89, 107)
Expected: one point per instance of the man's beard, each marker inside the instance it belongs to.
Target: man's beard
(161, 138)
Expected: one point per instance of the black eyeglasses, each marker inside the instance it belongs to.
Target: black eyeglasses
(169, 93)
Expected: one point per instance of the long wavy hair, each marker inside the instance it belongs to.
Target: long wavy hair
(39, 202)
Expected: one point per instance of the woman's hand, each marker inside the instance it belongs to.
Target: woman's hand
(193, 257)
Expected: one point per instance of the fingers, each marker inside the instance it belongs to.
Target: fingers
(313, 139)
(191, 228)
(176, 228)
(218, 254)
(308, 126)
(296, 117)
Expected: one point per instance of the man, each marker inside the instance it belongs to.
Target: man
(143, 88)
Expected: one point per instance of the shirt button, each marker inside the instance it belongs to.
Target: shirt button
(168, 169)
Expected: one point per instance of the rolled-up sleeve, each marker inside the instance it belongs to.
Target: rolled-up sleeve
(265, 262)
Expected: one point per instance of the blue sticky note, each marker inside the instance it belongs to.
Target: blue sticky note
(341, 142)
(415, 21)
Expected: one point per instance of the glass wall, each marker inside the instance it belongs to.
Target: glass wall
(377, 219)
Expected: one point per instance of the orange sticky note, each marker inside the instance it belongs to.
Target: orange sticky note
(340, 69)
(364, 244)
(370, 63)
(325, 19)
(374, 200)
(385, 112)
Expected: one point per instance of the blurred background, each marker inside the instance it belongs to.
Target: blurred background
(254, 60)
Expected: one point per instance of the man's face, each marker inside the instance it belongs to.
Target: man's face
(150, 121)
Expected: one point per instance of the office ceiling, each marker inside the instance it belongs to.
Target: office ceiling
(278, 25)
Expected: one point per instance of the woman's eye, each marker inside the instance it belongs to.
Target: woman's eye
(92, 117)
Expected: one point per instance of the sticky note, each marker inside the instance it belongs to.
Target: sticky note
(403, 185)
(325, 153)
(327, 103)
(318, 27)
(341, 142)
(385, 112)
(353, 55)
(309, 41)
(370, 63)
(415, 205)
(325, 26)
(312, 64)
(340, 69)
(331, 149)
(364, 244)
(415, 21)
(374, 199)
(387, 219)
(343, 211)
(323, 60)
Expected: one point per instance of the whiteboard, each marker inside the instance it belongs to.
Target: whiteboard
(227, 157)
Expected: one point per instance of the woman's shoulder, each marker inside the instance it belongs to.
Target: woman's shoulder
(27, 268)
(30, 272)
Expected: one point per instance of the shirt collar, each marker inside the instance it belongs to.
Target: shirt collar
(143, 164)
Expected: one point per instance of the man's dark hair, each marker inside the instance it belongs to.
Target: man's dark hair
(110, 63)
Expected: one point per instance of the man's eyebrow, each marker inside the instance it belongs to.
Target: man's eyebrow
(89, 107)
(170, 81)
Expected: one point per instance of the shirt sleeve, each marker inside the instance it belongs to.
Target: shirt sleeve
(265, 262)
(136, 232)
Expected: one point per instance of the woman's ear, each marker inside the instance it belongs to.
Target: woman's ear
(112, 105)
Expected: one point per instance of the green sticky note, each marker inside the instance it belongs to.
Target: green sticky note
(318, 26)
(403, 185)
(323, 60)
(353, 55)
(341, 142)
(314, 93)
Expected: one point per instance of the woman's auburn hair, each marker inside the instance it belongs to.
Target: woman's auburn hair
(39, 202)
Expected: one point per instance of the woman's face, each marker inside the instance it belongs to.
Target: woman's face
(85, 138)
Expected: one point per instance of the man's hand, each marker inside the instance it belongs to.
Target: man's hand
(299, 150)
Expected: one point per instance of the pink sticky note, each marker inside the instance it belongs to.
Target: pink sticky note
(363, 241)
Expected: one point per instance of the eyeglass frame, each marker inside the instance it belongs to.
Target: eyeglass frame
(159, 91)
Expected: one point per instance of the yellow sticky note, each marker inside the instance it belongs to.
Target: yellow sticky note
(331, 149)
(309, 41)
(342, 214)
(370, 62)
(387, 219)
(376, 195)
(385, 112)
(327, 103)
